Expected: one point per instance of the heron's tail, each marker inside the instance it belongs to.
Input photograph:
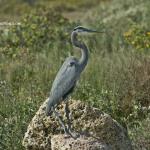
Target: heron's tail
(49, 106)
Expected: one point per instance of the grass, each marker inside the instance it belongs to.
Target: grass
(116, 80)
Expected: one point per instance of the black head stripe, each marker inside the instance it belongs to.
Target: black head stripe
(79, 28)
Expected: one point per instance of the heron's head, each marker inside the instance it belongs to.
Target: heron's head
(80, 29)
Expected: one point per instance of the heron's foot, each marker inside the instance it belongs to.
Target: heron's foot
(69, 133)
(74, 135)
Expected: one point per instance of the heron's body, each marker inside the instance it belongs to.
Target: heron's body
(67, 76)
(64, 82)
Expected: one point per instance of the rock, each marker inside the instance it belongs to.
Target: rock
(60, 142)
(43, 131)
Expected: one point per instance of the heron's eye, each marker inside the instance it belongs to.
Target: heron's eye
(71, 63)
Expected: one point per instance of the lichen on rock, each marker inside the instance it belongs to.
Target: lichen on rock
(60, 142)
(85, 119)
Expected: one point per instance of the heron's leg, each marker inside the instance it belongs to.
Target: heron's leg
(60, 121)
(67, 113)
(63, 124)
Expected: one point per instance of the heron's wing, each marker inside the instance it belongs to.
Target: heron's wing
(65, 80)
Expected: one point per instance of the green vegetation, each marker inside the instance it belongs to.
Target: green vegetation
(117, 79)
(139, 38)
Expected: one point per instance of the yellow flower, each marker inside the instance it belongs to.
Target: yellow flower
(148, 33)
(147, 45)
(127, 34)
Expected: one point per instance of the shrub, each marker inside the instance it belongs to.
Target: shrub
(38, 31)
(139, 38)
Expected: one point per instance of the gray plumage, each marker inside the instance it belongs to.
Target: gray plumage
(65, 80)
(68, 75)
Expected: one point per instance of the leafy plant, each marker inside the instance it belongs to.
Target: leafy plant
(139, 38)
(38, 31)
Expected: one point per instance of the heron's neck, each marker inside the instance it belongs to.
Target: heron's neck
(84, 50)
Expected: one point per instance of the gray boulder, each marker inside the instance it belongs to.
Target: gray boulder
(101, 132)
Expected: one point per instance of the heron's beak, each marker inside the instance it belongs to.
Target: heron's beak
(92, 31)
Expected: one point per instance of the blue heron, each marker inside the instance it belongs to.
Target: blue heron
(66, 79)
